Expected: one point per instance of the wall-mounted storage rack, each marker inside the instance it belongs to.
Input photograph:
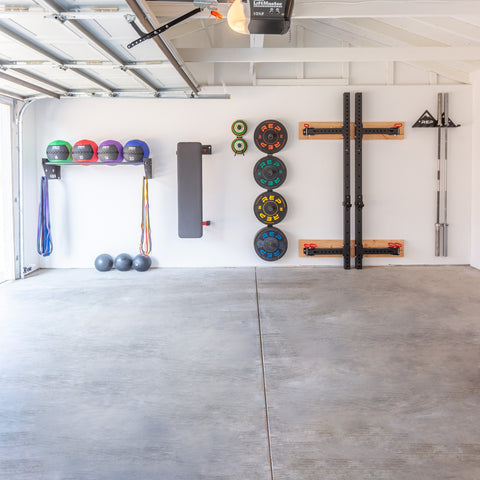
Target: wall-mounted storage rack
(53, 169)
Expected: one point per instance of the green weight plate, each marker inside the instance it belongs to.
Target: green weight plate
(239, 128)
(239, 146)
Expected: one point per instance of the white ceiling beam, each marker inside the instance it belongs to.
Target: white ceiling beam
(319, 54)
(417, 26)
(392, 35)
(365, 33)
(445, 70)
(257, 41)
(346, 72)
(455, 26)
(373, 9)
(342, 9)
(301, 82)
(390, 73)
(324, 29)
(300, 42)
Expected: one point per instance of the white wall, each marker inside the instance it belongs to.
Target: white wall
(98, 209)
(31, 186)
(475, 259)
(7, 248)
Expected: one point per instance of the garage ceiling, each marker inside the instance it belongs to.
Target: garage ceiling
(79, 47)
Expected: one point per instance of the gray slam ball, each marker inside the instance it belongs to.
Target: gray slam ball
(104, 262)
(123, 262)
(142, 263)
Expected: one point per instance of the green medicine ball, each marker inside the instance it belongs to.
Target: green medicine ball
(59, 151)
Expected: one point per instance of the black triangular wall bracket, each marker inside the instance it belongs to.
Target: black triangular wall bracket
(427, 120)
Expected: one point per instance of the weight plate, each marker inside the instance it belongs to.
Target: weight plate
(270, 208)
(270, 136)
(239, 128)
(270, 172)
(239, 145)
(270, 244)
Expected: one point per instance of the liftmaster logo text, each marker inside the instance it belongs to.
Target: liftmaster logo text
(267, 4)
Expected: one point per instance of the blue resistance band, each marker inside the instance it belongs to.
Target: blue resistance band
(44, 239)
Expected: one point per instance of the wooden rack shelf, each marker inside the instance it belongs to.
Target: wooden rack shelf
(53, 169)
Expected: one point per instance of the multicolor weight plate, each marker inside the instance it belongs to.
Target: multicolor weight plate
(270, 172)
(239, 128)
(270, 244)
(270, 208)
(270, 136)
(239, 146)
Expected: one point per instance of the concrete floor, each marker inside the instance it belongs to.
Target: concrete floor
(248, 374)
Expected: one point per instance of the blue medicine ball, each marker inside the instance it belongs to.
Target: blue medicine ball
(135, 151)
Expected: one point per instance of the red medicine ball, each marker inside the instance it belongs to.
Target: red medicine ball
(85, 151)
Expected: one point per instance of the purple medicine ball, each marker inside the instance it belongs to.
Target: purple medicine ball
(110, 151)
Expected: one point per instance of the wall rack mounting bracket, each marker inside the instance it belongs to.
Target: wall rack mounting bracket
(52, 172)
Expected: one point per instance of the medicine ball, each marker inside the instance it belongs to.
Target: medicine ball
(123, 262)
(59, 151)
(110, 151)
(135, 151)
(141, 263)
(104, 262)
(85, 151)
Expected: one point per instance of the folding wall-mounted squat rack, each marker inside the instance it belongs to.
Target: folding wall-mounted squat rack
(383, 130)
(53, 169)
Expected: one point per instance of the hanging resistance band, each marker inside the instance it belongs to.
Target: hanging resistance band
(44, 239)
(146, 240)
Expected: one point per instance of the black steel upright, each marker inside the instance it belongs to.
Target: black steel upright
(360, 131)
(358, 182)
(347, 200)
